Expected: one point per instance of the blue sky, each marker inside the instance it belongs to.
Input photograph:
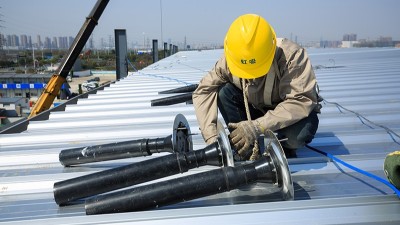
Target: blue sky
(203, 21)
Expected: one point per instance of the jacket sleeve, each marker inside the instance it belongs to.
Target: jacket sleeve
(205, 98)
(297, 88)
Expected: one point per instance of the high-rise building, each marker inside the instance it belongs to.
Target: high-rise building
(350, 37)
(24, 41)
(47, 43)
(14, 40)
(70, 41)
(30, 42)
(7, 41)
(62, 42)
(39, 41)
(54, 44)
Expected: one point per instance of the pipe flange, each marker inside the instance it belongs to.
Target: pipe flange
(274, 149)
(223, 141)
(181, 135)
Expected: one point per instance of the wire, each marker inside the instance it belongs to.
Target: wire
(130, 63)
(362, 118)
(335, 159)
(192, 67)
(159, 76)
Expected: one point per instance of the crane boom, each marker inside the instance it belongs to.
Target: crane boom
(56, 81)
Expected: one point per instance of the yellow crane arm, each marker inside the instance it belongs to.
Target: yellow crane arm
(56, 81)
(49, 94)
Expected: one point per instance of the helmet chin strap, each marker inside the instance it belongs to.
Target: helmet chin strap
(256, 149)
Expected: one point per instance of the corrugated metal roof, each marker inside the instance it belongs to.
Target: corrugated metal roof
(361, 80)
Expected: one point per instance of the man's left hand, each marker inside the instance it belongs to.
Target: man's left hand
(244, 135)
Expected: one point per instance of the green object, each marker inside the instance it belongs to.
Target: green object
(392, 168)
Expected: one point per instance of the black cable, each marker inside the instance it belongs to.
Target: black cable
(362, 118)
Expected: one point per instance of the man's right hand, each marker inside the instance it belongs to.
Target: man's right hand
(243, 136)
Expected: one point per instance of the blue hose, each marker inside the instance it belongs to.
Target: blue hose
(333, 158)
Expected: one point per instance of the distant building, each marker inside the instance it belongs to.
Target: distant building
(12, 41)
(380, 42)
(70, 41)
(39, 43)
(47, 43)
(63, 42)
(54, 44)
(348, 44)
(349, 40)
(349, 37)
(330, 44)
(22, 85)
(385, 41)
(30, 42)
(24, 41)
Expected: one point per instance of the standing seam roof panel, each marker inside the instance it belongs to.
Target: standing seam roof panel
(361, 80)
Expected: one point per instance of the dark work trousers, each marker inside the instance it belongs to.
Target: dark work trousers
(232, 109)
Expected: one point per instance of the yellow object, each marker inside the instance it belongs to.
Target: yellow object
(249, 46)
(49, 94)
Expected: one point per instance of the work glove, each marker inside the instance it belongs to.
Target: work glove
(243, 135)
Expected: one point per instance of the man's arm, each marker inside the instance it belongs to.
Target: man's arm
(297, 88)
(205, 99)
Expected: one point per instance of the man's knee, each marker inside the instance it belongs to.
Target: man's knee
(300, 133)
(292, 141)
(227, 92)
(229, 103)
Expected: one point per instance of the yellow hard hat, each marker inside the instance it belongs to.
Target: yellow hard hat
(249, 46)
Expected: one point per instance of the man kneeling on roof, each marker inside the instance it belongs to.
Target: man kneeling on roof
(260, 83)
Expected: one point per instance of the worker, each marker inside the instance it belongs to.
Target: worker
(260, 83)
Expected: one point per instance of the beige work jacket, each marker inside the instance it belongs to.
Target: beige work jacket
(292, 98)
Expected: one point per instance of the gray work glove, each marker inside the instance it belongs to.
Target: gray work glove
(244, 134)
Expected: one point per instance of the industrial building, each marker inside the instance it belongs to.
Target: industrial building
(23, 85)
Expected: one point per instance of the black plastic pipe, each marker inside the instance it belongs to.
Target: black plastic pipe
(179, 141)
(183, 188)
(186, 97)
(117, 150)
(136, 173)
(184, 89)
